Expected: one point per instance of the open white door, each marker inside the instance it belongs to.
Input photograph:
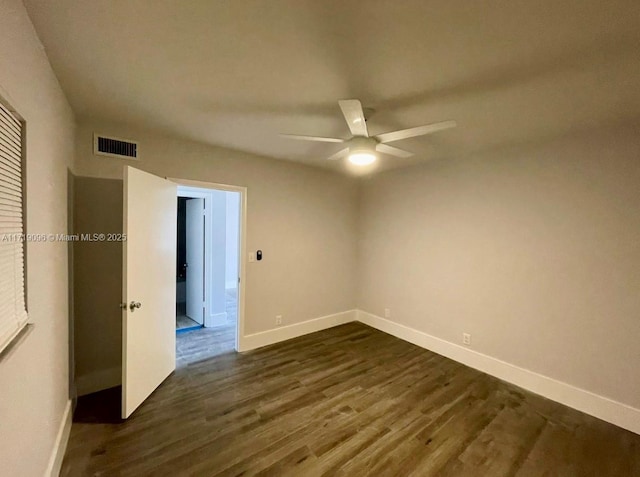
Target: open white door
(149, 289)
(195, 260)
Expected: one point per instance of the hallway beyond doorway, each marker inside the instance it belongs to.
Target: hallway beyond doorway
(203, 343)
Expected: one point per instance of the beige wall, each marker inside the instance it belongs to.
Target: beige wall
(302, 218)
(97, 284)
(34, 376)
(534, 251)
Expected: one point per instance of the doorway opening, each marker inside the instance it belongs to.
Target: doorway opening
(207, 272)
(190, 249)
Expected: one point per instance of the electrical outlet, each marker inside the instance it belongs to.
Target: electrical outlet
(387, 313)
(278, 320)
(466, 339)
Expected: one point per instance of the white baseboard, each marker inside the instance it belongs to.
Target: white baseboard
(265, 338)
(60, 445)
(595, 405)
(216, 319)
(588, 402)
(98, 380)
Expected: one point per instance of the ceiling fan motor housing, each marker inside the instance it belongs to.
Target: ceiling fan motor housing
(362, 145)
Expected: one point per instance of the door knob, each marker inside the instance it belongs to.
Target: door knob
(134, 304)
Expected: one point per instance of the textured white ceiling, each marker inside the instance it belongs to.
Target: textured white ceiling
(236, 73)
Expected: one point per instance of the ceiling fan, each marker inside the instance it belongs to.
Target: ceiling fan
(361, 148)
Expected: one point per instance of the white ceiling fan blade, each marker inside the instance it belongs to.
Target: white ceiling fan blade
(392, 151)
(353, 114)
(417, 131)
(312, 138)
(338, 155)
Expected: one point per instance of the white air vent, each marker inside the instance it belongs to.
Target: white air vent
(114, 147)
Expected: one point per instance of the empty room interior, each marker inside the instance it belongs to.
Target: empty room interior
(319, 238)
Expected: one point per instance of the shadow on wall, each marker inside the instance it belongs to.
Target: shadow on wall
(97, 284)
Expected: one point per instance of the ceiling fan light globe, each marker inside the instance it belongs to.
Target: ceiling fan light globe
(362, 158)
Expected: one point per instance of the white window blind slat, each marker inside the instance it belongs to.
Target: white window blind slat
(10, 120)
(8, 147)
(7, 157)
(11, 195)
(8, 269)
(11, 211)
(10, 130)
(6, 253)
(8, 167)
(14, 214)
(8, 229)
(9, 207)
(9, 184)
(5, 219)
(10, 126)
(9, 224)
(8, 216)
(10, 142)
(7, 164)
(7, 256)
(9, 170)
(13, 314)
(11, 180)
(12, 134)
(13, 168)
(10, 202)
(8, 305)
(11, 231)
(7, 266)
(11, 151)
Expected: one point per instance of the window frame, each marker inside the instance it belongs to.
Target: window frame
(25, 328)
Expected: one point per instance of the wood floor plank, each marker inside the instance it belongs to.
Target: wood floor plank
(348, 401)
(502, 446)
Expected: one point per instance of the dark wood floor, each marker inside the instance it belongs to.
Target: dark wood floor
(349, 401)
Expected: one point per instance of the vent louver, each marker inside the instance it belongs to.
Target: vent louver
(113, 147)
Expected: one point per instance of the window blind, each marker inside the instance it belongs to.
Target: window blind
(13, 313)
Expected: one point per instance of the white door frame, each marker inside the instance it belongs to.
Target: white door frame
(242, 256)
